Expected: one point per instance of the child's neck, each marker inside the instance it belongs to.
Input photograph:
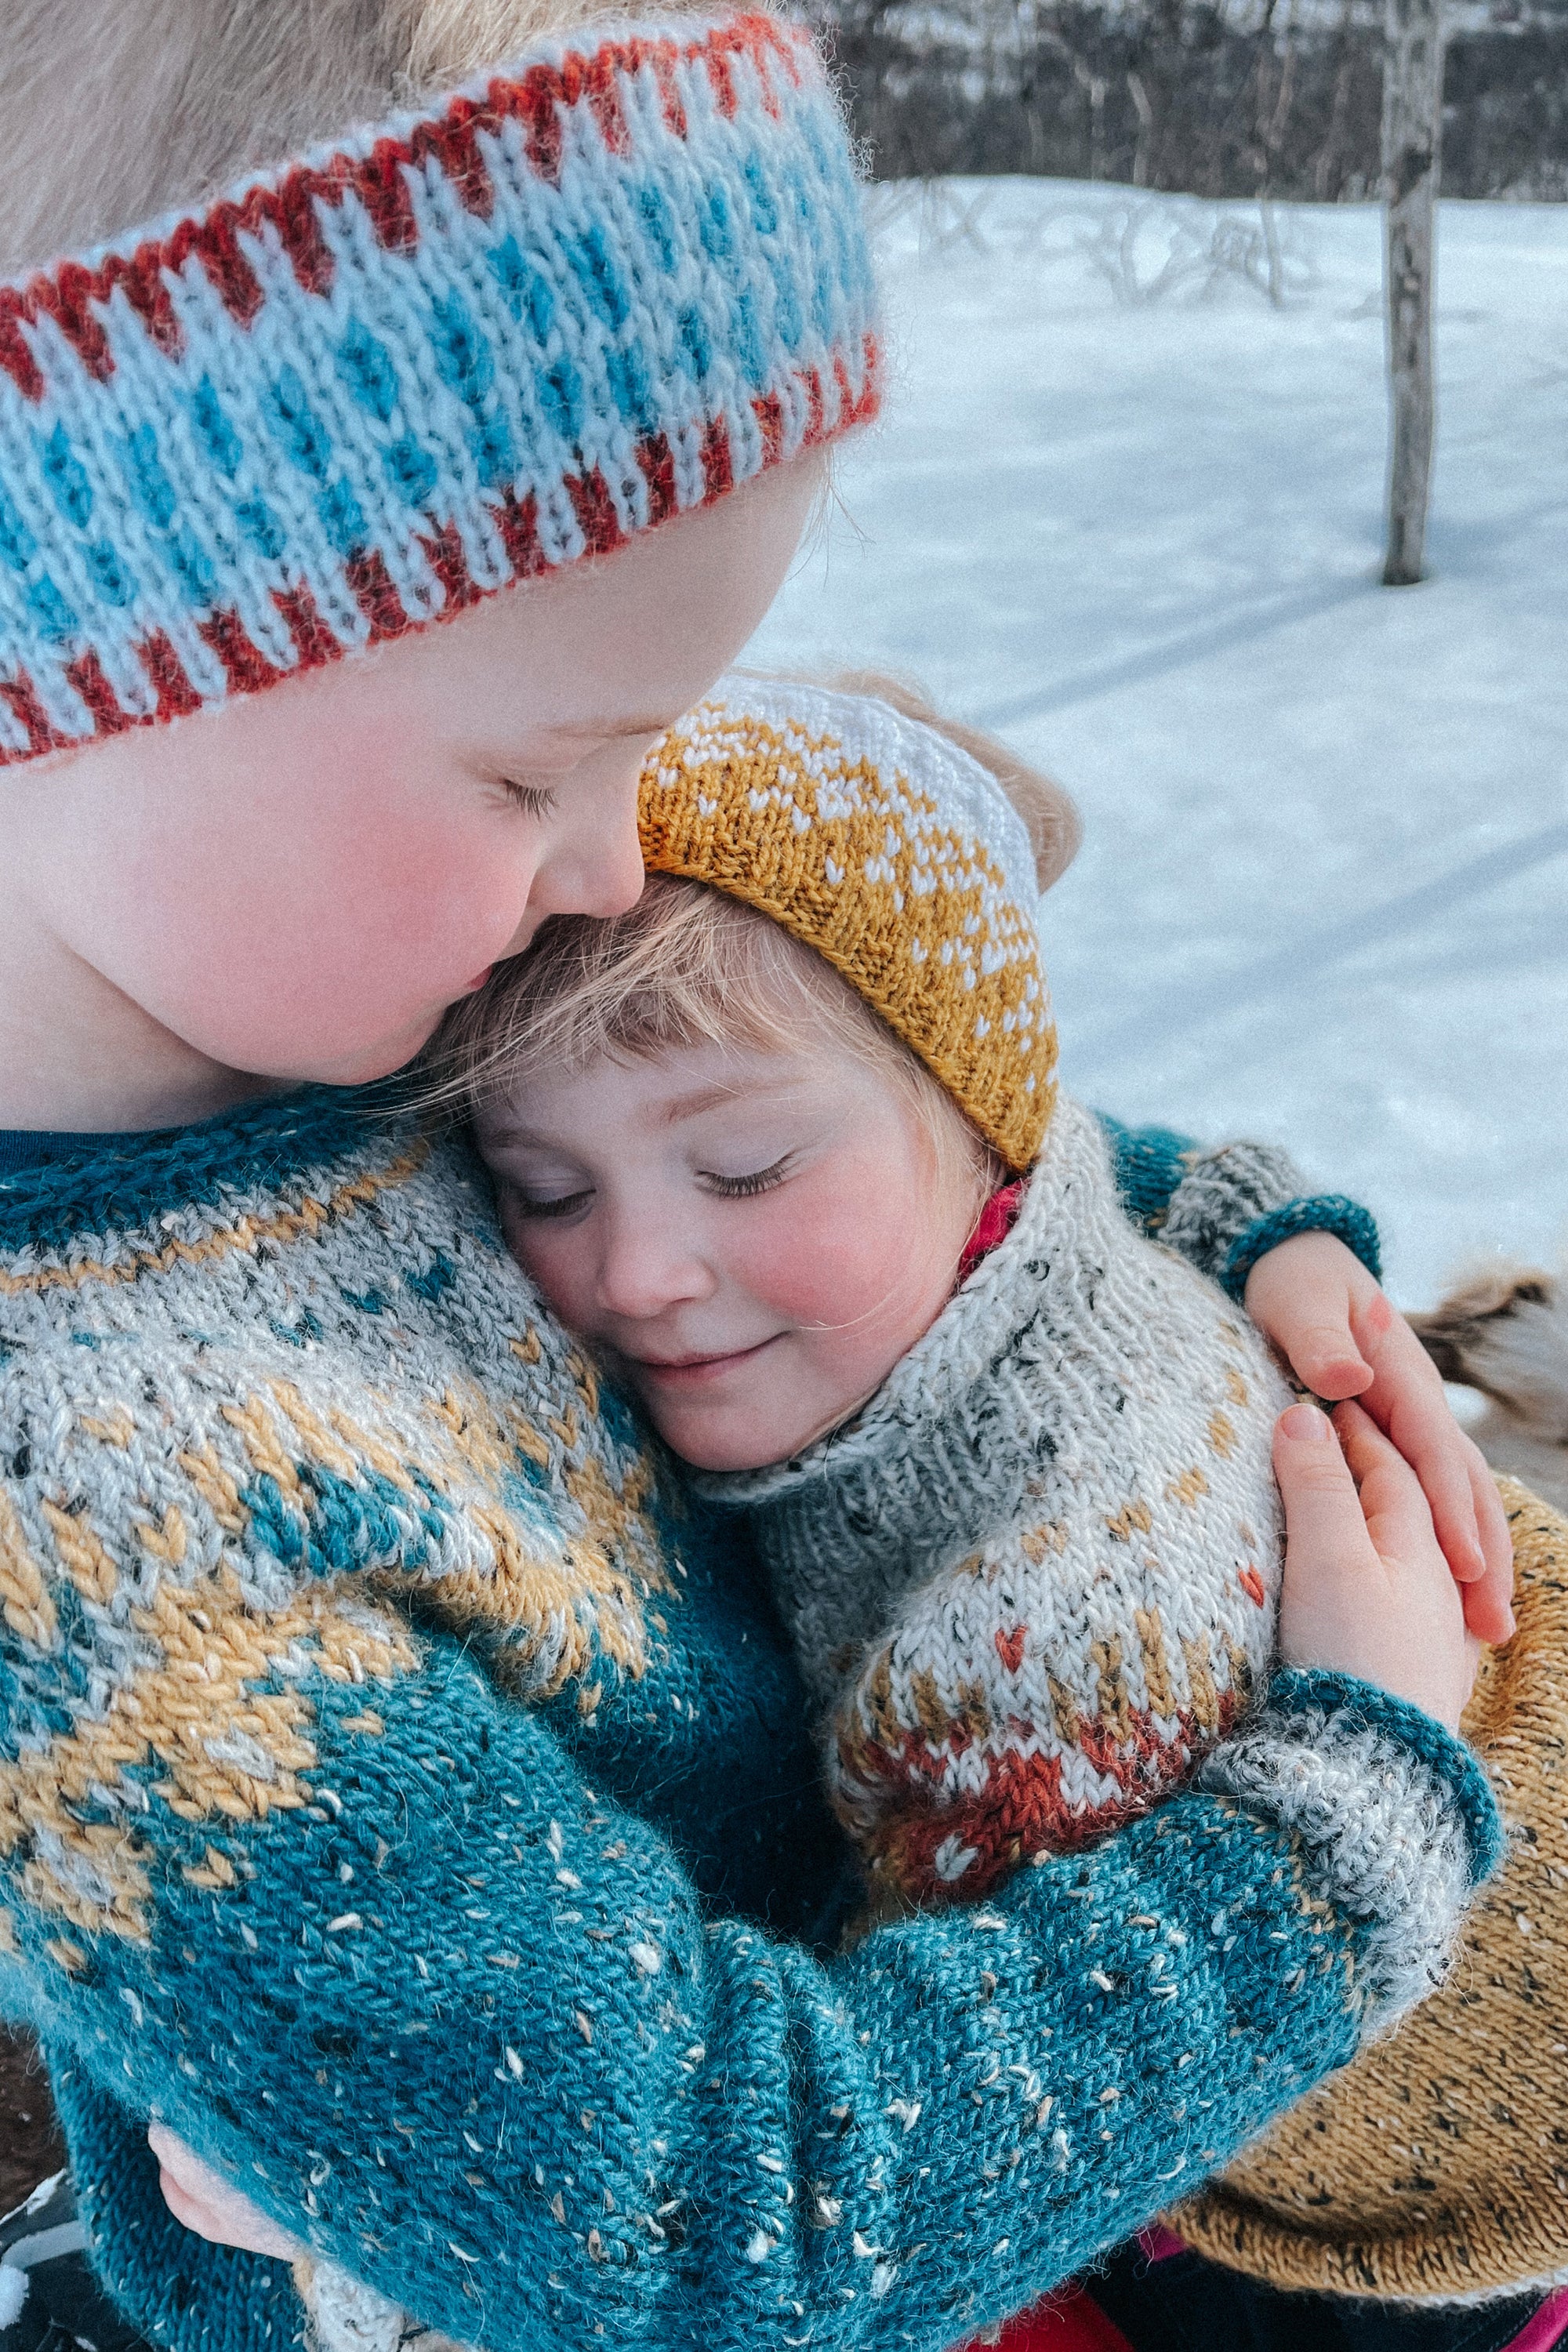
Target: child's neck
(78, 1054)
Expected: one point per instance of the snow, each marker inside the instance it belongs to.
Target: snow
(1322, 893)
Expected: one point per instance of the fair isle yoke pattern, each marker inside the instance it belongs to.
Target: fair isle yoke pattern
(436, 357)
(1036, 1579)
(890, 851)
(206, 1554)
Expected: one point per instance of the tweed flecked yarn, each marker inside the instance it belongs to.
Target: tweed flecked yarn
(434, 357)
(891, 852)
(1225, 1226)
(1437, 2166)
(396, 1772)
(1037, 1578)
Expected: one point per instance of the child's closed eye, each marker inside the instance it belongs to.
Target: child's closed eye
(534, 800)
(745, 1188)
(557, 1205)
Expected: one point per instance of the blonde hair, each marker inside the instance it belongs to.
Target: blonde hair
(687, 966)
(113, 111)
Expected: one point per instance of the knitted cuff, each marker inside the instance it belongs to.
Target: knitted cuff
(1236, 1203)
(1323, 1213)
(1393, 1816)
(1223, 1194)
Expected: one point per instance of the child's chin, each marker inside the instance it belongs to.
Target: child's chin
(714, 1447)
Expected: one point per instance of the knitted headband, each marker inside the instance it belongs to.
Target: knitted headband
(436, 357)
(894, 855)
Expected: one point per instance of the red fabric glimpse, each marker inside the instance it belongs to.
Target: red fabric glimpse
(1066, 2322)
(997, 1219)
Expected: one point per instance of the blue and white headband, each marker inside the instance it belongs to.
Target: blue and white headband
(368, 389)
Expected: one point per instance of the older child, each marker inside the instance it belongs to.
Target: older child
(400, 1789)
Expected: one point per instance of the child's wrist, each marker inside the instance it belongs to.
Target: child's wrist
(1318, 1213)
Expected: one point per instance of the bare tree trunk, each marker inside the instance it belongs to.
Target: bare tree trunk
(1093, 85)
(1412, 123)
(1143, 108)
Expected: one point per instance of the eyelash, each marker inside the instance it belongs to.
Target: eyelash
(727, 1188)
(746, 1187)
(534, 800)
(563, 1207)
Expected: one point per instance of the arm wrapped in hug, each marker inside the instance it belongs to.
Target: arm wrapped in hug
(567, 2097)
(1225, 1208)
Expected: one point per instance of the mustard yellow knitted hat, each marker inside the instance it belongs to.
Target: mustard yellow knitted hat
(1435, 2166)
(894, 855)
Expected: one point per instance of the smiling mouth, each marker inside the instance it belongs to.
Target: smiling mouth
(692, 1372)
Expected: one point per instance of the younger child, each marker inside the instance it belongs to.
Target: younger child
(785, 1142)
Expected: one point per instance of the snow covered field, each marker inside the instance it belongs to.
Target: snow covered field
(1324, 894)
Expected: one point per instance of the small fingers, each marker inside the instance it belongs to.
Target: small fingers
(1497, 1537)
(1322, 1510)
(1436, 1455)
(1325, 1359)
(1304, 1294)
(1391, 1498)
(1489, 1601)
(1408, 1402)
(1368, 1449)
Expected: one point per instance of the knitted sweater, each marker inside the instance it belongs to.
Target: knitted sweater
(1036, 1579)
(402, 1794)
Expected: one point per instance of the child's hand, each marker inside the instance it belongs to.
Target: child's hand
(203, 2201)
(1342, 1338)
(1367, 1590)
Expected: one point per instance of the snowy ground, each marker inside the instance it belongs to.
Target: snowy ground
(1325, 890)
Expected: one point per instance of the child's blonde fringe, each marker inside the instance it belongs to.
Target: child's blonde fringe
(687, 966)
(113, 111)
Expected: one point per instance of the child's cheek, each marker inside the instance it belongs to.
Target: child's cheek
(817, 1256)
(374, 916)
(547, 1258)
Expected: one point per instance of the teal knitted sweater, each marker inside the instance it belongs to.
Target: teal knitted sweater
(405, 1791)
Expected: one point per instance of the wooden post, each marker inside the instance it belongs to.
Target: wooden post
(1412, 125)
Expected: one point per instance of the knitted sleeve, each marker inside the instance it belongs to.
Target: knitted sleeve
(1225, 1208)
(1356, 1784)
(525, 2088)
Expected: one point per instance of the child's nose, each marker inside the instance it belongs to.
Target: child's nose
(647, 1266)
(594, 865)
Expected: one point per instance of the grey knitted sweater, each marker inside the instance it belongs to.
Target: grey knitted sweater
(1035, 1578)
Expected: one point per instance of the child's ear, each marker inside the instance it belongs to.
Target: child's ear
(1049, 815)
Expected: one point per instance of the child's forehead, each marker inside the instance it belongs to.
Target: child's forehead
(672, 1088)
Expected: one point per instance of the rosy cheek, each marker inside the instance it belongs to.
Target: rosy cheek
(362, 921)
(819, 1257)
